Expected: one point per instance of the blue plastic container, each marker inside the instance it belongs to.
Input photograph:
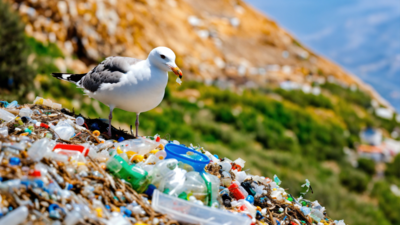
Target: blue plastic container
(195, 159)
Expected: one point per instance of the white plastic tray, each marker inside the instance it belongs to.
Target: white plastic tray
(189, 212)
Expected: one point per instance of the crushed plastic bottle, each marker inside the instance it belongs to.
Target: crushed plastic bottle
(6, 116)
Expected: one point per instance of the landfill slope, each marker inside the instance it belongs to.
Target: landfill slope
(58, 167)
(213, 40)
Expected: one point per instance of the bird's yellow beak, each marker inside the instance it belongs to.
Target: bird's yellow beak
(176, 71)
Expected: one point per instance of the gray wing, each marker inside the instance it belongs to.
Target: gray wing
(108, 71)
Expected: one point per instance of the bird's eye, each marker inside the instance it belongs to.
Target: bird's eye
(162, 56)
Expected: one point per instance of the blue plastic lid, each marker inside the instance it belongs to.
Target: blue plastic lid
(195, 159)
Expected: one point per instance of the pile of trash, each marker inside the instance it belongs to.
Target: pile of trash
(57, 167)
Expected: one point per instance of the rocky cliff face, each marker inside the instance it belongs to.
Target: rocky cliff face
(225, 40)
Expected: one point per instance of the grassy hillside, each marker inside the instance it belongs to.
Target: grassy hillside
(288, 133)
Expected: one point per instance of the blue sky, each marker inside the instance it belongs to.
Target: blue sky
(361, 35)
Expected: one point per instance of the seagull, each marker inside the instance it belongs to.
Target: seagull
(126, 83)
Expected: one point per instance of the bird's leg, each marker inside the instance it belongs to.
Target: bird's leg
(137, 124)
(109, 121)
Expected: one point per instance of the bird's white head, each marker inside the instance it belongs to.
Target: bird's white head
(164, 59)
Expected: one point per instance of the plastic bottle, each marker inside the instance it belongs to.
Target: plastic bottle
(161, 155)
(195, 184)
(6, 116)
(15, 217)
(39, 149)
(72, 218)
(4, 131)
(132, 174)
(317, 215)
(25, 112)
(236, 191)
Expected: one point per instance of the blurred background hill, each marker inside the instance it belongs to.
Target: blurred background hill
(361, 35)
(250, 90)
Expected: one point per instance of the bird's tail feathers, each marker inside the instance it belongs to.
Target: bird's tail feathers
(74, 78)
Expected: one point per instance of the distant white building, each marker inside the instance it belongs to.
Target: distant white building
(384, 113)
(371, 136)
(392, 146)
(289, 85)
(316, 91)
(306, 88)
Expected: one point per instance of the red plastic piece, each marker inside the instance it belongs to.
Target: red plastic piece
(35, 173)
(237, 167)
(158, 139)
(44, 125)
(79, 148)
(235, 191)
(243, 208)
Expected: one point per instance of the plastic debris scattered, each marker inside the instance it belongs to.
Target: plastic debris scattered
(58, 167)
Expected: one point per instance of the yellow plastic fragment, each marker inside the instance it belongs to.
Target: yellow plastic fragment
(138, 158)
(129, 153)
(99, 212)
(154, 151)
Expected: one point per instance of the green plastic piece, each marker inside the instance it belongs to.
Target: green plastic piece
(209, 187)
(134, 175)
(166, 191)
(183, 196)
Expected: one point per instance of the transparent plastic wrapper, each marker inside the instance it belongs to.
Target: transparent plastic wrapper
(173, 182)
(240, 162)
(25, 112)
(39, 149)
(15, 217)
(161, 169)
(13, 104)
(56, 106)
(141, 146)
(195, 185)
(72, 218)
(48, 102)
(4, 131)
(63, 130)
(188, 212)
(6, 116)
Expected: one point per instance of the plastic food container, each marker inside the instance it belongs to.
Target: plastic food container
(188, 212)
(186, 155)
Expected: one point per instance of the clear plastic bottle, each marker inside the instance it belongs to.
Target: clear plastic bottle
(6, 116)
(39, 149)
(15, 217)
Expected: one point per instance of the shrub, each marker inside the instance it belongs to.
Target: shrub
(393, 168)
(366, 165)
(14, 68)
(354, 180)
